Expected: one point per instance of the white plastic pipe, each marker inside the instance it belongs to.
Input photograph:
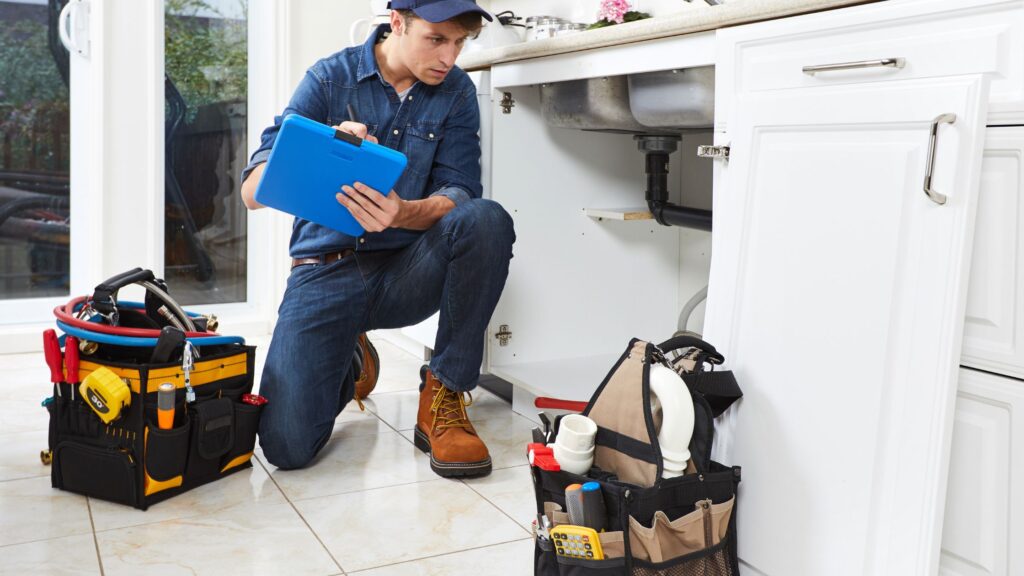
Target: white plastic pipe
(676, 421)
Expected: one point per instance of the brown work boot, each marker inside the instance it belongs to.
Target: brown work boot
(370, 368)
(443, 430)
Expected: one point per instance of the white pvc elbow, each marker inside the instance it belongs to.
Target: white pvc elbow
(669, 390)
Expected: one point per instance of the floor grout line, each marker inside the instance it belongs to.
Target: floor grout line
(95, 539)
(303, 518)
(499, 508)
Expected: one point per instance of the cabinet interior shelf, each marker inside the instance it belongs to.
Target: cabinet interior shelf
(632, 213)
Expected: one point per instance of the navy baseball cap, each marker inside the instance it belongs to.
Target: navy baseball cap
(439, 10)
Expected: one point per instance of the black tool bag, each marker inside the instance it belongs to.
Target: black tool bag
(131, 460)
(682, 526)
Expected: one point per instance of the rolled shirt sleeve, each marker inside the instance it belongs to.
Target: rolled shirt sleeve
(454, 193)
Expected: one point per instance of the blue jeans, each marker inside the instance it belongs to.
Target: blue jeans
(458, 266)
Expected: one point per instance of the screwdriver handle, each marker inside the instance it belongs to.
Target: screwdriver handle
(51, 351)
(71, 358)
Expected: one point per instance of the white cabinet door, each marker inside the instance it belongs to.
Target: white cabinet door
(994, 329)
(837, 295)
(985, 499)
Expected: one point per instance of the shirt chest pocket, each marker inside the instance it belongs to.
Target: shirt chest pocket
(420, 145)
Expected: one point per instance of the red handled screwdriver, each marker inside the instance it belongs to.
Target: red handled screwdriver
(51, 351)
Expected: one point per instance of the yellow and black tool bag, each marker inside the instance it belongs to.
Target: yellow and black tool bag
(132, 460)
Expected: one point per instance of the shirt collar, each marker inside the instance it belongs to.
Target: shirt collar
(367, 57)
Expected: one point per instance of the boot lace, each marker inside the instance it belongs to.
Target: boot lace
(449, 409)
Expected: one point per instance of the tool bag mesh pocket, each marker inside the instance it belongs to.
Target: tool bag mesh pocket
(719, 560)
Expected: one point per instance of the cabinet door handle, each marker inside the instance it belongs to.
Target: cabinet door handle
(883, 63)
(932, 194)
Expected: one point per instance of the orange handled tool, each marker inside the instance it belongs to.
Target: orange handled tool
(165, 406)
(51, 351)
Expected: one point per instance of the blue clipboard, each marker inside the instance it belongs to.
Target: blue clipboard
(311, 161)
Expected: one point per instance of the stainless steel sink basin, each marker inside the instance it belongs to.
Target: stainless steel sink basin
(639, 104)
(674, 98)
(590, 104)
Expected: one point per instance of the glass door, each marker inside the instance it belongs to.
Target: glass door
(35, 160)
(206, 122)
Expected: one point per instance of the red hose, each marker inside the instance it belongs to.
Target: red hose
(62, 313)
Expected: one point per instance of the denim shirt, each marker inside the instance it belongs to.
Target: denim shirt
(436, 127)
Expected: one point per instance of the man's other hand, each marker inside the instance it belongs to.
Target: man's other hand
(374, 211)
(356, 129)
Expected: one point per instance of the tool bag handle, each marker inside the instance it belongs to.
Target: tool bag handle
(104, 297)
(686, 341)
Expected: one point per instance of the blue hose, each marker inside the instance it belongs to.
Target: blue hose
(142, 342)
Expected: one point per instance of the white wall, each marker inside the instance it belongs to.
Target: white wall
(319, 28)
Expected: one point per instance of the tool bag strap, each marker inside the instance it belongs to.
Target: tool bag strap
(104, 297)
(719, 388)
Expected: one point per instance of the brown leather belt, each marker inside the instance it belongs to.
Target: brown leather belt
(323, 258)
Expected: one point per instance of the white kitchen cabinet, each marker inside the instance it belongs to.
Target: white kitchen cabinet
(994, 330)
(985, 498)
(843, 304)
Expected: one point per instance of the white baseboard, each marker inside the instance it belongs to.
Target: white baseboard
(23, 338)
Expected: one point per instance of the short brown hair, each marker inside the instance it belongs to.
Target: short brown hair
(470, 22)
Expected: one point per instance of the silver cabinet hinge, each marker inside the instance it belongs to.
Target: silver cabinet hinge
(713, 152)
(507, 103)
(503, 335)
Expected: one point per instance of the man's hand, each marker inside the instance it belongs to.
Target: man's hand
(374, 211)
(356, 129)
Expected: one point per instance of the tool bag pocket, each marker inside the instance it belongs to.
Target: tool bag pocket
(165, 457)
(212, 437)
(580, 567)
(101, 472)
(247, 422)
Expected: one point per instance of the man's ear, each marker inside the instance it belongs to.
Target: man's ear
(397, 23)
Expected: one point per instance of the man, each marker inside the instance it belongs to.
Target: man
(432, 243)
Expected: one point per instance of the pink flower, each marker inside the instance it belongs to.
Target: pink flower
(613, 10)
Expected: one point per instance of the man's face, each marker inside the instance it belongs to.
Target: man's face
(429, 50)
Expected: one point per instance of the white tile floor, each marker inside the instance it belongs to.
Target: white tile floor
(370, 505)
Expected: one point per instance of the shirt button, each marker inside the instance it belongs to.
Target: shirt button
(396, 132)
(410, 97)
(362, 240)
(431, 135)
